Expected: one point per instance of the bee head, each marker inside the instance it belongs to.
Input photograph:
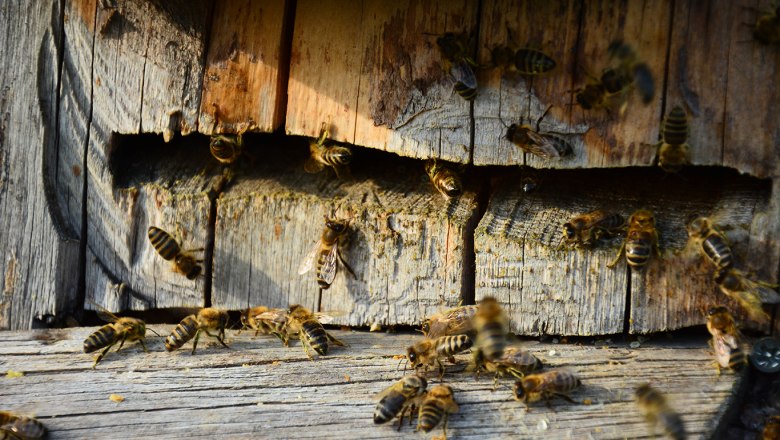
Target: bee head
(337, 226)
(698, 227)
(519, 391)
(568, 231)
(411, 354)
(426, 326)
(414, 385)
(511, 131)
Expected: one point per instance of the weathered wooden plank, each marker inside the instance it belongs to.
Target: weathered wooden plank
(39, 248)
(377, 78)
(240, 86)
(408, 245)
(261, 388)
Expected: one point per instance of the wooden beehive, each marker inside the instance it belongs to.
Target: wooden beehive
(87, 166)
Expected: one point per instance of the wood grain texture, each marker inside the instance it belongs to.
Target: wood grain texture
(240, 84)
(407, 245)
(377, 78)
(259, 388)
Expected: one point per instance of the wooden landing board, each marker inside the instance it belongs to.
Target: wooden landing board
(260, 388)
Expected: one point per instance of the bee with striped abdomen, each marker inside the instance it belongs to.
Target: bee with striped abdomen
(444, 178)
(457, 62)
(491, 324)
(534, 387)
(641, 240)
(168, 248)
(117, 330)
(304, 324)
(265, 320)
(727, 341)
(398, 398)
(226, 148)
(455, 321)
(193, 325)
(657, 411)
(710, 242)
(673, 148)
(750, 294)
(324, 154)
(16, 427)
(532, 62)
(327, 253)
(543, 144)
(586, 229)
(515, 361)
(428, 352)
(437, 404)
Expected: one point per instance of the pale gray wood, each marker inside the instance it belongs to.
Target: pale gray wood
(260, 388)
(407, 245)
(39, 264)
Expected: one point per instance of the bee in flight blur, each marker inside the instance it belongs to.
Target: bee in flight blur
(455, 321)
(593, 95)
(192, 326)
(641, 240)
(117, 330)
(586, 229)
(399, 398)
(327, 253)
(539, 143)
(168, 248)
(673, 148)
(711, 243)
(267, 321)
(324, 154)
(437, 405)
(457, 62)
(534, 387)
(226, 148)
(305, 325)
(444, 178)
(750, 294)
(491, 325)
(428, 352)
(727, 341)
(16, 427)
(657, 411)
(632, 69)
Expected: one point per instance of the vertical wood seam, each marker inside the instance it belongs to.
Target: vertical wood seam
(360, 77)
(204, 62)
(665, 81)
(279, 119)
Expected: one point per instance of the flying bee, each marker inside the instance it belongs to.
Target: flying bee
(426, 352)
(515, 361)
(673, 148)
(191, 326)
(631, 67)
(748, 293)
(444, 178)
(491, 324)
(455, 321)
(398, 398)
(169, 249)
(226, 148)
(726, 340)
(117, 330)
(437, 404)
(534, 387)
(327, 254)
(657, 411)
(586, 229)
(710, 242)
(614, 82)
(322, 154)
(264, 320)
(16, 427)
(307, 326)
(539, 143)
(641, 240)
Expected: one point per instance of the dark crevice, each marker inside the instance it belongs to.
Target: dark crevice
(283, 70)
(577, 50)
(472, 124)
(665, 82)
(627, 311)
(204, 58)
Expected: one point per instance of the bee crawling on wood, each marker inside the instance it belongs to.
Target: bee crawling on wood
(750, 294)
(457, 62)
(428, 352)
(396, 400)
(727, 341)
(168, 248)
(534, 387)
(515, 361)
(444, 178)
(706, 238)
(525, 61)
(327, 253)
(265, 320)
(673, 149)
(16, 427)
(492, 326)
(304, 324)
(117, 330)
(546, 145)
(641, 240)
(324, 154)
(457, 321)
(586, 229)
(226, 148)
(657, 411)
(437, 404)
(193, 325)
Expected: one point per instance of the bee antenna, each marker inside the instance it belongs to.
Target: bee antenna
(398, 367)
(152, 330)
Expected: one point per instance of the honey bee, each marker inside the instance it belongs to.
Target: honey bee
(492, 326)
(264, 320)
(532, 62)
(748, 293)
(192, 326)
(534, 387)
(226, 148)
(454, 49)
(656, 410)
(306, 325)
(455, 321)
(593, 95)
(710, 242)
(641, 240)
(515, 361)
(767, 27)
(539, 143)
(398, 398)
(633, 69)
(327, 254)
(117, 330)
(438, 403)
(426, 352)
(771, 429)
(169, 249)
(321, 155)
(726, 340)
(444, 178)
(586, 229)
(13, 426)
(673, 148)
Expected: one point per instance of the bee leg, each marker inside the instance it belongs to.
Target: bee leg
(305, 345)
(346, 266)
(495, 383)
(333, 340)
(221, 337)
(539, 121)
(143, 345)
(441, 369)
(401, 418)
(102, 354)
(121, 343)
(444, 426)
(619, 255)
(195, 341)
(565, 397)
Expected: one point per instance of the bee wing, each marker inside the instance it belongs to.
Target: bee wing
(308, 261)
(437, 327)
(327, 317)
(328, 271)
(544, 146)
(461, 72)
(766, 294)
(103, 313)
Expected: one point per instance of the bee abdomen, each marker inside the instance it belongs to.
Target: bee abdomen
(335, 156)
(737, 359)
(718, 251)
(388, 407)
(101, 338)
(449, 345)
(316, 336)
(638, 253)
(163, 243)
(676, 127)
(533, 62)
(24, 428)
(567, 382)
(448, 183)
(466, 92)
(430, 416)
(182, 333)
(493, 340)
